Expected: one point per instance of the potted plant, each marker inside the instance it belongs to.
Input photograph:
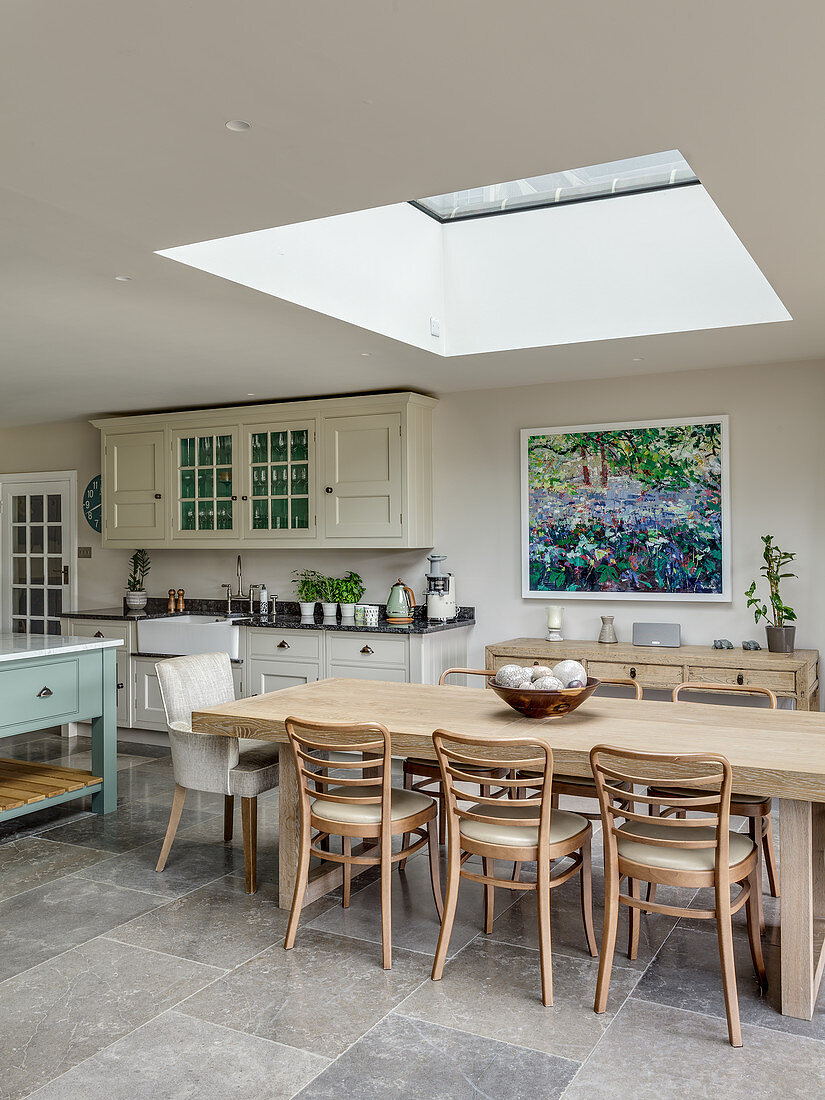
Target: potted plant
(780, 636)
(308, 585)
(350, 590)
(328, 594)
(135, 584)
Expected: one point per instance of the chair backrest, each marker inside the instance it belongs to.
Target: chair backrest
(312, 743)
(465, 672)
(726, 689)
(623, 681)
(455, 751)
(709, 773)
(191, 683)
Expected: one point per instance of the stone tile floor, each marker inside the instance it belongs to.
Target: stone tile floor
(118, 982)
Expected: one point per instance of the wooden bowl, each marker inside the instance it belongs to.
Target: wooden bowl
(546, 704)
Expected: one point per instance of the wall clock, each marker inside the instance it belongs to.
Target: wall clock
(92, 502)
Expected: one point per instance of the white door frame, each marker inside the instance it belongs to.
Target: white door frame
(65, 479)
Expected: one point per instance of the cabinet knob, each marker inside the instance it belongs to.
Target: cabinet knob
(243, 498)
(328, 489)
(740, 679)
(633, 674)
(120, 687)
(44, 693)
(367, 649)
(235, 498)
(99, 634)
(283, 644)
(157, 496)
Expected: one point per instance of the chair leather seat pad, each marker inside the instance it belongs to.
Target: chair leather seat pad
(678, 859)
(563, 825)
(402, 804)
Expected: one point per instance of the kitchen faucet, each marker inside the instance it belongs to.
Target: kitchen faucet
(240, 594)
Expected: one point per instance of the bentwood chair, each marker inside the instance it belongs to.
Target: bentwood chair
(361, 805)
(756, 809)
(688, 852)
(517, 829)
(423, 775)
(207, 762)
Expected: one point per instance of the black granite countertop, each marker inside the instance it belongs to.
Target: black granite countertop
(286, 618)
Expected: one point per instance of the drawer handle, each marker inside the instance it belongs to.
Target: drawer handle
(740, 679)
(633, 674)
(368, 650)
(99, 634)
(44, 693)
(283, 644)
(120, 687)
(158, 496)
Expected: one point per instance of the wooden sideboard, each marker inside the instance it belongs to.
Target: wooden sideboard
(791, 675)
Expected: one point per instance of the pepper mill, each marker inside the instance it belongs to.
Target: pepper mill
(180, 606)
(170, 606)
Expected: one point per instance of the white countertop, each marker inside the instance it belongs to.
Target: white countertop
(15, 646)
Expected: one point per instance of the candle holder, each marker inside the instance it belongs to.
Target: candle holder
(554, 621)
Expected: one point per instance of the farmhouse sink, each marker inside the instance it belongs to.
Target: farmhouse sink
(187, 634)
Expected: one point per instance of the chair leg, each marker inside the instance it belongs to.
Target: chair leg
(770, 856)
(754, 939)
(172, 827)
(517, 872)
(554, 801)
(488, 867)
(405, 839)
(586, 884)
(435, 873)
(386, 905)
(450, 905)
(301, 879)
(611, 925)
(545, 953)
(724, 932)
(755, 833)
(633, 919)
(249, 824)
(653, 811)
(346, 849)
(228, 816)
(442, 814)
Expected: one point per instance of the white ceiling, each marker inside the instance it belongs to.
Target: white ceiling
(113, 146)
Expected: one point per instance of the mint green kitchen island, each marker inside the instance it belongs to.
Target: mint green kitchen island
(49, 681)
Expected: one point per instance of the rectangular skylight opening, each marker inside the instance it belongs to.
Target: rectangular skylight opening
(652, 172)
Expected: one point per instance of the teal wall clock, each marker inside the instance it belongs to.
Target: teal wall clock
(92, 502)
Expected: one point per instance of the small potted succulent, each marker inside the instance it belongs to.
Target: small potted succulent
(135, 583)
(349, 589)
(308, 583)
(780, 635)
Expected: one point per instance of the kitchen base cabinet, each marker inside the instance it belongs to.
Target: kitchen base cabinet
(273, 674)
(123, 632)
(149, 712)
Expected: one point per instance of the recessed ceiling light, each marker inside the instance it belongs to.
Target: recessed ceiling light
(238, 124)
(250, 395)
(366, 354)
(123, 278)
(639, 359)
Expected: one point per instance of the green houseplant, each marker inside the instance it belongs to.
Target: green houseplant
(328, 595)
(136, 581)
(780, 635)
(310, 585)
(349, 590)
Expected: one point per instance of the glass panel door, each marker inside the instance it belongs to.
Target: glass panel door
(205, 483)
(36, 564)
(280, 480)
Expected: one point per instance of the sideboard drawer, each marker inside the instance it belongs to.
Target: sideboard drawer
(51, 691)
(653, 675)
(294, 645)
(745, 677)
(368, 649)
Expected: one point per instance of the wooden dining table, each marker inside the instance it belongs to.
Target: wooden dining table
(780, 753)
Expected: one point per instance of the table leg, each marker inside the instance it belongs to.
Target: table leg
(104, 739)
(802, 856)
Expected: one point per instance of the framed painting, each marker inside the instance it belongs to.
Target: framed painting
(636, 511)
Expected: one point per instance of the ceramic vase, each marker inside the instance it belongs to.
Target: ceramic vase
(607, 634)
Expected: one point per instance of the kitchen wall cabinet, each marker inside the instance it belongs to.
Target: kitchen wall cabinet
(345, 472)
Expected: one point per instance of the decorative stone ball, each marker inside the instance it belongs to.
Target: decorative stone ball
(570, 670)
(575, 683)
(547, 683)
(537, 671)
(508, 670)
(513, 676)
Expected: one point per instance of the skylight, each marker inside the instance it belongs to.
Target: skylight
(618, 177)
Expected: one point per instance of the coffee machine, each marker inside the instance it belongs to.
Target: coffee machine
(440, 591)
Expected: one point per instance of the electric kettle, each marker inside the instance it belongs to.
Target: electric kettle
(400, 603)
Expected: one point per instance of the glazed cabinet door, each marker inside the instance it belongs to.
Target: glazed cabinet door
(134, 476)
(205, 484)
(362, 488)
(278, 501)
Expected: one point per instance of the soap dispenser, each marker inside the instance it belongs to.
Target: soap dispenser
(263, 597)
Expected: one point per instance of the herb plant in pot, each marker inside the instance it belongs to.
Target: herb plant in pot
(780, 635)
(328, 592)
(308, 585)
(350, 589)
(135, 583)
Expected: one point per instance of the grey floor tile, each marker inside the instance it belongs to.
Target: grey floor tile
(130, 826)
(219, 924)
(672, 1053)
(190, 865)
(321, 996)
(41, 821)
(494, 990)
(207, 1060)
(43, 922)
(686, 974)
(82, 758)
(71, 1007)
(421, 1061)
(33, 747)
(704, 900)
(33, 861)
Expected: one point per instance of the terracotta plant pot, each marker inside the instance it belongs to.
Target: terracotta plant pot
(780, 638)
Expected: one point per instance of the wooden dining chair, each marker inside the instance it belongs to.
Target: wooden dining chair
(423, 775)
(361, 804)
(517, 829)
(756, 809)
(690, 852)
